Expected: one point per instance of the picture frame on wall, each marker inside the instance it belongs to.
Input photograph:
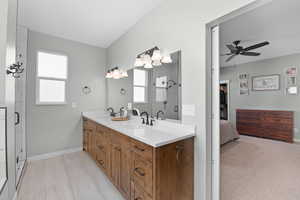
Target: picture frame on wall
(244, 84)
(266, 83)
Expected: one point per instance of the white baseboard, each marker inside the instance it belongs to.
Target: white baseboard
(296, 140)
(54, 154)
(15, 196)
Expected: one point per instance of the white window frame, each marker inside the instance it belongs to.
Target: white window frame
(38, 78)
(140, 86)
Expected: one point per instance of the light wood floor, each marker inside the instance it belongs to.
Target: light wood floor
(70, 177)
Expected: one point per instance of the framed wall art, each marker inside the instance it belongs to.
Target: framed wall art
(266, 83)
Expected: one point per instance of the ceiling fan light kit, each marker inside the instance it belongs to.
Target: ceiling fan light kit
(236, 49)
(152, 57)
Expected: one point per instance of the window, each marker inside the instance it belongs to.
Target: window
(140, 79)
(52, 72)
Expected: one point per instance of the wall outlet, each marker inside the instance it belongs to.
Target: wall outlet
(129, 106)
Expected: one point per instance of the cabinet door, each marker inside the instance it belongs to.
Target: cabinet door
(115, 164)
(125, 172)
(85, 140)
(137, 193)
(93, 145)
(175, 171)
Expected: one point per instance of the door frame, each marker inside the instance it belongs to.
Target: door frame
(212, 83)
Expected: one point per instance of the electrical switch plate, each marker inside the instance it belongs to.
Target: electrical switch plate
(74, 105)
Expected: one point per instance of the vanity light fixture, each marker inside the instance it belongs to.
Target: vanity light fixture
(148, 65)
(116, 73)
(152, 57)
(166, 59)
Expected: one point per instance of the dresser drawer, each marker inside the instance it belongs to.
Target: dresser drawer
(144, 150)
(142, 173)
(137, 193)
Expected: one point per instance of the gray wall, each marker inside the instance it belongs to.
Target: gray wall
(180, 25)
(55, 128)
(263, 99)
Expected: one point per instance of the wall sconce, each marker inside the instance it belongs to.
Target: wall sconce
(116, 73)
(152, 57)
(15, 69)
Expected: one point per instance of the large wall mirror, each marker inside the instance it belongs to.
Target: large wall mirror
(153, 90)
(3, 148)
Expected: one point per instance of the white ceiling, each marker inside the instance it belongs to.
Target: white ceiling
(94, 22)
(277, 22)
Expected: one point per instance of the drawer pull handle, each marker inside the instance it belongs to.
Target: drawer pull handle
(138, 148)
(139, 171)
(100, 147)
(138, 198)
(118, 148)
(101, 162)
(179, 149)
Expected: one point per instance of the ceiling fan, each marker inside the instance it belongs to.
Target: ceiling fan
(236, 50)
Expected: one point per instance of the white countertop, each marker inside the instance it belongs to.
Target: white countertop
(162, 133)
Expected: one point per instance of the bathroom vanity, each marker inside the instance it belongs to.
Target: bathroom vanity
(143, 162)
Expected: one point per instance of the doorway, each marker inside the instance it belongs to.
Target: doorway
(263, 54)
(224, 99)
(213, 92)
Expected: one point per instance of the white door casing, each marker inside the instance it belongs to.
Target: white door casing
(216, 114)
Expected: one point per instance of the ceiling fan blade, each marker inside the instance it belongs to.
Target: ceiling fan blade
(250, 54)
(231, 47)
(230, 58)
(226, 54)
(256, 46)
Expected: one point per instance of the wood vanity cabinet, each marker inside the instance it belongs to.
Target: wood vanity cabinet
(140, 171)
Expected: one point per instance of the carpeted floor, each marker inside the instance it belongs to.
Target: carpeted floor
(260, 169)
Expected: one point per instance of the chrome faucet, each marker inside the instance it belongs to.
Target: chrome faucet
(159, 112)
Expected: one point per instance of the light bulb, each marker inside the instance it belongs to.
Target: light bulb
(148, 65)
(166, 59)
(108, 75)
(156, 63)
(124, 74)
(138, 62)
(156, 55)
(146, 59)
(116, 74)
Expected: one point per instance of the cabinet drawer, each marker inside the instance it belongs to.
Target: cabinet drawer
(137, 193)
(145, 151)
(101, 159)
(142, 173)
(88, 125)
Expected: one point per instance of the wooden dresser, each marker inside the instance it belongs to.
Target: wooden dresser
(140, 171)
(277, 125)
